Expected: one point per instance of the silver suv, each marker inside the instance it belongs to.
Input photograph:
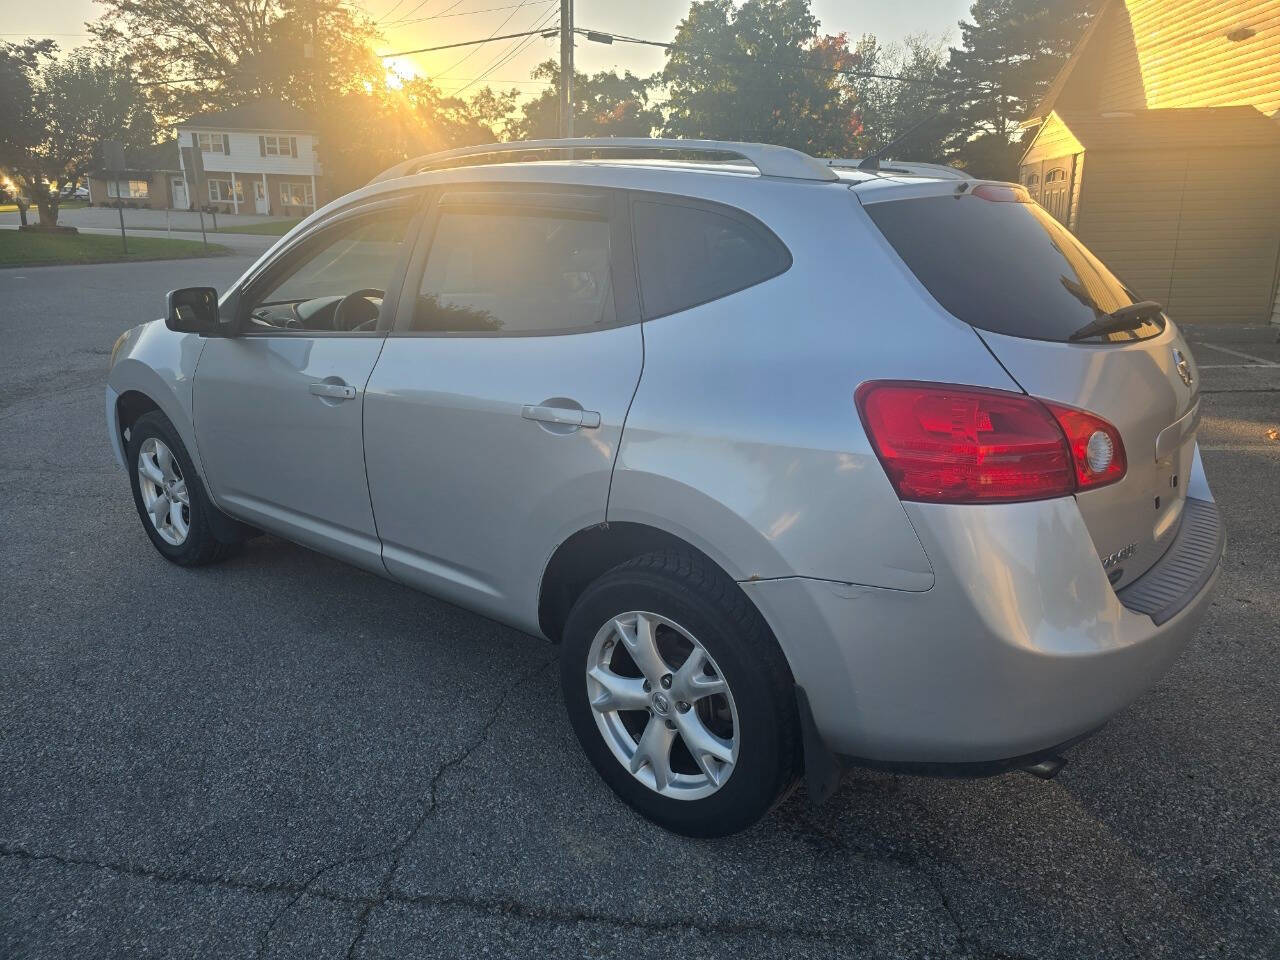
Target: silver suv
(800, 465)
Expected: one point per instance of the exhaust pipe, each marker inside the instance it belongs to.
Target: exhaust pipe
(1046, 769)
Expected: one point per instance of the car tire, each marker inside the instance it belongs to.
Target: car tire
(685, 604)
(185, 533)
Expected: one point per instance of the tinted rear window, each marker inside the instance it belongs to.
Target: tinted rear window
(690, 254)
(1005, 267)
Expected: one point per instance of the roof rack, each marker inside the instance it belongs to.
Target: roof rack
(770, 160)
(912, 168)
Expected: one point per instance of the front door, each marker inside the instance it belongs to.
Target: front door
(260, 197)
(278, 407)
(178, 191)
(493, 416)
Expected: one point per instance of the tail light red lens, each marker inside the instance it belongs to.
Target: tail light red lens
(951, 444)
(1097, 452)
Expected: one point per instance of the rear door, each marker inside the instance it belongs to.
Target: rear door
(1001, 263)
(494, 414)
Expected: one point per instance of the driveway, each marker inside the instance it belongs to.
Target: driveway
(284, 756)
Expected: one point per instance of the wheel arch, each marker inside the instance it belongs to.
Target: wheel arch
(131, 405)
(593, 551)
(139, 388)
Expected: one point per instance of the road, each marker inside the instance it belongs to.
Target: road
(282, 756)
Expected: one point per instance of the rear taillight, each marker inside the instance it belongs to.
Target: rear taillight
(1097, 452)
(948, 444)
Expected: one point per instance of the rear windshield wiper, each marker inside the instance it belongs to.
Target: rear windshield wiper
(1126, 318)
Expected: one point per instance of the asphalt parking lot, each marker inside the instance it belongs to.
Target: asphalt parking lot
(284, 756)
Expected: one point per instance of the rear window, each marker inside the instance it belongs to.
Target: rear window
(689, 254)
(1009, 268)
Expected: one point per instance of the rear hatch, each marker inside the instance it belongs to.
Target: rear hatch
(1001, 263)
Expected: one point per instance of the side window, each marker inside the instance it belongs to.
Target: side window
(338, 280)
(515, 273)
(689, 255)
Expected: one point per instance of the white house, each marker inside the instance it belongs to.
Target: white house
(255, 158)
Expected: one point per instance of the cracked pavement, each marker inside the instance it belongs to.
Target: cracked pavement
(282, 756)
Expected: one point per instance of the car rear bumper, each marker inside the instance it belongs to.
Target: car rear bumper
(1022, 643)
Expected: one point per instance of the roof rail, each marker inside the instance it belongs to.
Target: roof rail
(770, 160)
(910, 167)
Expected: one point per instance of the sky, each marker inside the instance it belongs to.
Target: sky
(408, 24)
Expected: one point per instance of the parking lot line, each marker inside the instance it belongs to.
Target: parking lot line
(1238, 353)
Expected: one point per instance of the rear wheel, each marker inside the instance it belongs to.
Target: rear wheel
(175, 511)
(680, 696)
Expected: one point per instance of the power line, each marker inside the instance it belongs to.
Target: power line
(463, 43)
(416, 8)
(463, 13)
(470, 53)
(670, 47)
(517, 48)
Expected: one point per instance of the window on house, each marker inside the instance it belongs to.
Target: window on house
(297, 195)
(128, 189)
(277, 146)
(212, 142)
(1033, 185)
(220, 191)
(1053, 176)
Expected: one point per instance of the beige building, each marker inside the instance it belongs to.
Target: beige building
(1159, 145)
(146, 181)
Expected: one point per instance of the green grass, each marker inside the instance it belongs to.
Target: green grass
(29, 249)
(275, 228)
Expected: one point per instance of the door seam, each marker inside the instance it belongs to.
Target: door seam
(622, 431)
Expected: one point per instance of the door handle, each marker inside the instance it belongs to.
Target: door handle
(334, 391)
(562, 416)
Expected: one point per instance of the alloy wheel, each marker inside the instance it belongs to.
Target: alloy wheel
(662, 705)
(164, 491)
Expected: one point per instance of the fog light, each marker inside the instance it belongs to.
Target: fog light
(1099, 451)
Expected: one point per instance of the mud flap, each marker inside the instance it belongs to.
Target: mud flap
(822, 768)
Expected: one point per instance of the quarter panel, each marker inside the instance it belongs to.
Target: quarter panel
(747, 404)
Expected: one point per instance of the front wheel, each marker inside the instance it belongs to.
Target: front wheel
(680, 696)
(175, 510)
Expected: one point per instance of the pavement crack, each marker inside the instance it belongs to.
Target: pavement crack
(158, 875)
(430, 803)
(305, 890)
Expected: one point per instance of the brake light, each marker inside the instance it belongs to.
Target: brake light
(1002, 193)
(952, 444)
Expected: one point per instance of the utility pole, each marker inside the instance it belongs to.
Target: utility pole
(566, 68)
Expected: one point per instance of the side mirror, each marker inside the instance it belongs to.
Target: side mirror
(193, 310)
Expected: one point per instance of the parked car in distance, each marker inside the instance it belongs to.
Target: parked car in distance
(801, 466)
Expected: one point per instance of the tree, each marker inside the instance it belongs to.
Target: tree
(904, 114)
(361, 134)
(309, 53)
(1010, 53)
(761, 72)
(604, 105)
(19, 127)
(67, 107)
(317, 55)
